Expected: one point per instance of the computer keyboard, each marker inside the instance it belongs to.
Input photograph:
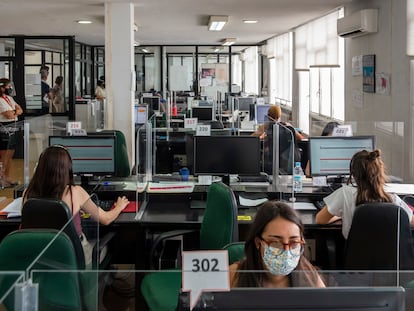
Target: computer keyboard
(105, 204)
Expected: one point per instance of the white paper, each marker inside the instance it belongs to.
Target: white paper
(304, 206)
(399, 188)
(14, 208)
(251, 202)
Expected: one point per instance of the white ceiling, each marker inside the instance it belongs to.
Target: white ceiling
(167, 22)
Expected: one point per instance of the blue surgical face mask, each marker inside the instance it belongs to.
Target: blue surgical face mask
(279, 262)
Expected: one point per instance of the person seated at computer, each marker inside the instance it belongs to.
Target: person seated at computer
(326, 131)
(368, 171)
(53, 178)
(273, 114)
(274, 246)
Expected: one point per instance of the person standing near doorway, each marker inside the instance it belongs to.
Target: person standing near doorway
(46, 96)
(9, 112)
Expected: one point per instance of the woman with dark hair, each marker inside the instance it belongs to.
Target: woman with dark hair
(274, 248)
(53, 178)
(368, 171)
(58, 100)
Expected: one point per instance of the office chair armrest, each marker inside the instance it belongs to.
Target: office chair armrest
(100, 245)
(161, 238)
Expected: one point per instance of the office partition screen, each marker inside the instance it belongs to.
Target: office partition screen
(331, 155)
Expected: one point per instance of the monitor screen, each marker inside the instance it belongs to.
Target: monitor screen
(91, 155)
(225, 155)
(153, 102)
(261, 114)
(202, 113)
(331, 155)
(243, 103)
(304, 299)
(141, 114)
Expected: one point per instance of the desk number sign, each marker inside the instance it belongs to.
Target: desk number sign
(73, 126)
(205, 271)
(190, 123)
(203, 130)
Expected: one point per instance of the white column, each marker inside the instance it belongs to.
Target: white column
(120, 71)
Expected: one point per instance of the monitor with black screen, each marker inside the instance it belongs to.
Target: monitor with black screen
(301, 299)
(331, 155)
(92, 155)
(243, 103)
(202, 113)
(261, 114)
(153, 103)
(226, 155)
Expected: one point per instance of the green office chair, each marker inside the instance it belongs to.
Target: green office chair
(218, 229)
(54, 214)
(122, 167)
(57, 291)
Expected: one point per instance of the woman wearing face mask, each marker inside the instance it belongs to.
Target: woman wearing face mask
(9, 112)
(275, 246)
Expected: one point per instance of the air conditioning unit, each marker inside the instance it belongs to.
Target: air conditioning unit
(358, 24)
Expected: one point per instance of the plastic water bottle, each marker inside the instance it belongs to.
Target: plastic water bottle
(297, 177)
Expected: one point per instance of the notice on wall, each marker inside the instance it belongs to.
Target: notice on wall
(357, 65)
(383, 83)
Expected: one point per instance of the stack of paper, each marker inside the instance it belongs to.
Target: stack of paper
(14, 209)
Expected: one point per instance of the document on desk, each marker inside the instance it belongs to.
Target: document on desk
(399, 188)
(251, 202)
(303, 206)
(14, 208)
(170, 187)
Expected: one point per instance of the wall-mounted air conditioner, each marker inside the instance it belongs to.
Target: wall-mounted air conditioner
(359, 23)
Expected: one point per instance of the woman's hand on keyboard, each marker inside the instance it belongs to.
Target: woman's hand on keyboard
(121, 203)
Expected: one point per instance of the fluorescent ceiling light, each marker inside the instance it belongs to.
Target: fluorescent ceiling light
(84, 22)
(217, 22)
(229, 41)
(250, 21)
(145, 50)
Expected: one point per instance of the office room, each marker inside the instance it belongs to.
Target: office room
(361, 81)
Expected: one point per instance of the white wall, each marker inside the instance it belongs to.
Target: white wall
(389, 46)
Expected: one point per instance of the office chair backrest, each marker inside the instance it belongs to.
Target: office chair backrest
(52, 214)
(379, 233)
(219, 226)
(57, 291)
(122, 167)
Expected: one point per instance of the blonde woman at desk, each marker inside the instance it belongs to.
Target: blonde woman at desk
(368, 171)
(53, 178)
(275, 245)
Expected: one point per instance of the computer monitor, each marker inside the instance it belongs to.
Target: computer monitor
(261, 114)
(302, 299)
(141, 114)
(153, 103)
(243, 103)
(92, 155)
(203, 113)
(225, 155)
(331, 155)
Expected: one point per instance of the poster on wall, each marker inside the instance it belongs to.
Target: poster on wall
(368, 69)
(383, 83)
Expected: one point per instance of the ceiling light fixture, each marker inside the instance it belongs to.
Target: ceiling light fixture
(84, 22)
(217, 22)
(250, 21)
(229, 41)
(145, 50)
